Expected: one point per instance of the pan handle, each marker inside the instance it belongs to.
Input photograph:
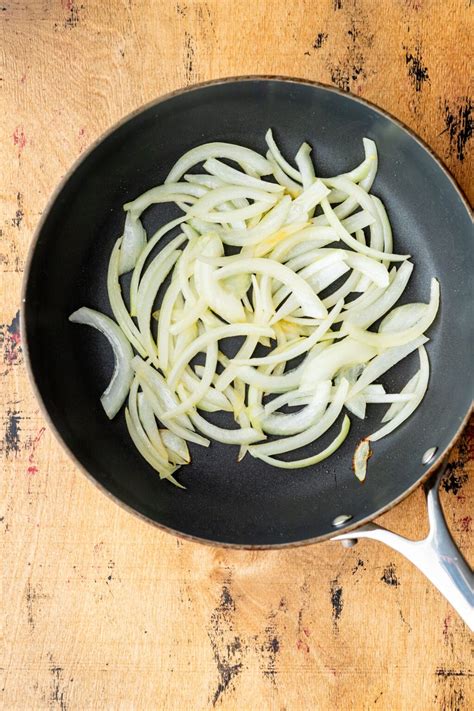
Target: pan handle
(437, 556)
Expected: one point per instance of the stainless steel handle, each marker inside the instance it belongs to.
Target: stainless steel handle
(437, 556)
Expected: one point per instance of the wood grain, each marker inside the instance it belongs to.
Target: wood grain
(101, 610)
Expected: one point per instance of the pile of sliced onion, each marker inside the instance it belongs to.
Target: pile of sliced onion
(295, 265)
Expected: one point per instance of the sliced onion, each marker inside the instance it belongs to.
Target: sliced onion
(358, 221)
(316, 458)
(303, 240)
(175, 446)
(403, 317)
(156, 452)
(370, 267)
(133, 243)
(116, 392)
(216, 334)
(213, 293)
(137, 272)
(350, 204)
(383, 362)
(395, 408)
(184, 192)
(399, 338)
(325, 365)
(290, 424)
(147, 454)
(292, 188)
(364, 317)
(164, 323)
(172, 425)
(270, 224)
(117, 303)
(149, 286)
(265, 292)
(243, 156)
(300, 440)
(270, 383)
(307, 201)
(236, 177)
(385, 225)
(360, 459)
(305, 165)
(412, 404)
(209, 181)
(357, 405)
(344, 235)
(369, 297)
(202, 388)
(148, 420)
(213, 400)
(244, 435)
(300, 347)
(284, 165)
(307, 299)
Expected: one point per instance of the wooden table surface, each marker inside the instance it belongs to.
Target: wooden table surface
(102, 611)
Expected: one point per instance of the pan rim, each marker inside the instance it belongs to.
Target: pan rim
(24, 307)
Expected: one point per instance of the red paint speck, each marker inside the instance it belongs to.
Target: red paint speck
(302, 646)
(465, 524)
(19, 139)
(306, 631)
(23, 78)
(33, 469)
(35, 443)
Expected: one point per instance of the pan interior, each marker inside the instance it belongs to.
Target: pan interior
(248, 503)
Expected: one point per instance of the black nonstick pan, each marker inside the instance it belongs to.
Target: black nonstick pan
(248, 503)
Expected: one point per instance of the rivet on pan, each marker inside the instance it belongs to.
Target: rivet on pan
(349, 542)
(428, 455)
(341, 520)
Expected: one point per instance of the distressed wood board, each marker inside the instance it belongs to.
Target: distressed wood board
(100, 610)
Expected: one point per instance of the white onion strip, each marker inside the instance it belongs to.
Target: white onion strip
(316, 458)
(289, 444)
(239, 154)
(307, 299)
(215, 334)
(412, 404)
(399, 338)
(117, 390)
(290, 424)
(344, 235)
(117, 303)
(284, 165)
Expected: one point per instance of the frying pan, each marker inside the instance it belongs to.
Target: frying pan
(251, 504)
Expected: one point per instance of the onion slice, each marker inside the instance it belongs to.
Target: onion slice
(412, 404)
(361, 456)
(300, 440)
(316, 458)
(133, 243)
(307, 299)
(239, 154)
(398, 338)
(116, 392)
